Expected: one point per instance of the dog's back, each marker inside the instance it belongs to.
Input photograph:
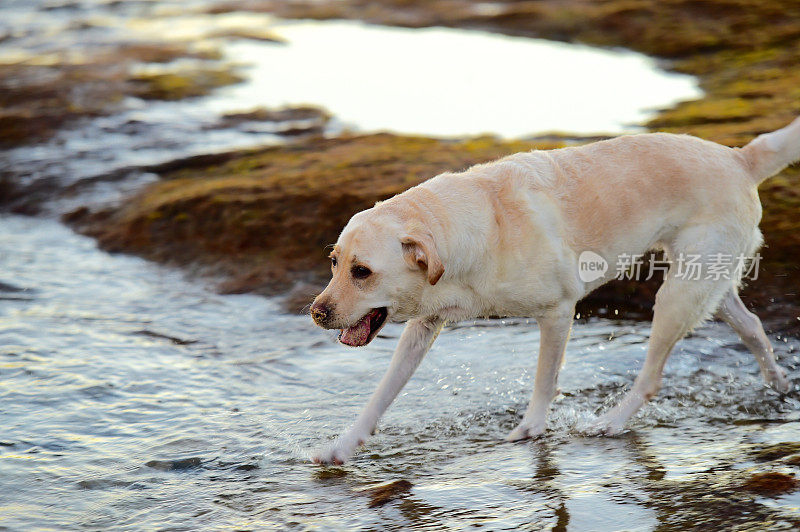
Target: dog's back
(641, 187)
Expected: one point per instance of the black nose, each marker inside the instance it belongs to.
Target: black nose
(319, 313)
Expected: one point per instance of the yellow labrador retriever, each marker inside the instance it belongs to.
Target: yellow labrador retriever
(505, 239)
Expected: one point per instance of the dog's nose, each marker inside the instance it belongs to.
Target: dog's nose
(319, 313)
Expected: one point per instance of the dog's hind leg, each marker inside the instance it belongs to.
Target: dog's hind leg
(681, 304)
(554, 329)
(415, 341)
(747, 325)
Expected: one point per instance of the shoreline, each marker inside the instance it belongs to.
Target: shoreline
(740, 52)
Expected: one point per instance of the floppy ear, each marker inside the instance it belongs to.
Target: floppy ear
(420, 252)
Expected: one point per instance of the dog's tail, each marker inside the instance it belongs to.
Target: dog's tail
(770, 153)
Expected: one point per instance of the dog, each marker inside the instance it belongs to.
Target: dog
(505, 238)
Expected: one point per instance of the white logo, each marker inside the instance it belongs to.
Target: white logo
(591, 266)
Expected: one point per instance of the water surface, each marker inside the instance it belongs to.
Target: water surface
(452, 82)
(131, 398)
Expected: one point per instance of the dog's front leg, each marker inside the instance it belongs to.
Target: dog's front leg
(415, 341)
(554, 329)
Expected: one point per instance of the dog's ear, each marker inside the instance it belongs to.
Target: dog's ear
(419, 251)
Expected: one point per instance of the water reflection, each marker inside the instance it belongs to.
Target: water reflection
(450, 82)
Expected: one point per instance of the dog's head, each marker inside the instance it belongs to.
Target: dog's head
(380, 265)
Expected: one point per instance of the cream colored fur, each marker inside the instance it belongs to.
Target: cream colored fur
(503, 239)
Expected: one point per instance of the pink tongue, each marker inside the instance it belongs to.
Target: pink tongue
(357, 334)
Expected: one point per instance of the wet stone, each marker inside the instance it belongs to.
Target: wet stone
(175, 465)
(771, 483)
(100, 484)
(384, 493)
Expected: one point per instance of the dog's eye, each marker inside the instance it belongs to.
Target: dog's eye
(360, 272)
(333, 261)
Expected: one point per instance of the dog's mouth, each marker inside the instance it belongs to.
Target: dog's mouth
(366, 329)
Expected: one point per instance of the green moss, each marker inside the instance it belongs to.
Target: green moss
(182, 84)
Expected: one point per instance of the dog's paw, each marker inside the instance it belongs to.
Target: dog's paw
(341, 450)
(779, 382)
(526, 430)
(604, 426)
(331, 456)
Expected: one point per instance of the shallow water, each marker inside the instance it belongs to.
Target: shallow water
(451, 82)
(131, 398)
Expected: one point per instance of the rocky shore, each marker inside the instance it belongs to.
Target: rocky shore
(262, 218)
